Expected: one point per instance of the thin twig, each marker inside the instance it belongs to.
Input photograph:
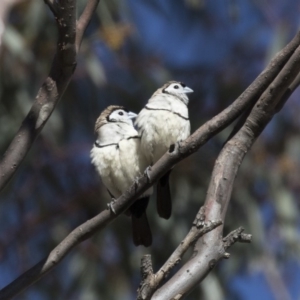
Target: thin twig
(84, 20)
(236, 235)
(150, 282)
(193, 235)
(210, 249)
(53, 88)
(44, 105)
(52, 5)
(187, 147)
(213, 126)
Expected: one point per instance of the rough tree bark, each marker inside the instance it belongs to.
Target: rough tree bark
(70, 36)
(264, 97)
(210, 248)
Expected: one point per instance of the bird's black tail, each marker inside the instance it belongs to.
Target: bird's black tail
(141, 231)
(163, 197)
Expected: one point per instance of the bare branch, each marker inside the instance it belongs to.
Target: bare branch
(225, 170)
(44, 105)
(50, 93)
(150, 282)
(246, 99)
(52, 5)
(188, 241)
(288, 93)
(60, 75)
(236, 236)
(210, 248)
(79, 234)
(84, 20)
(213, 126)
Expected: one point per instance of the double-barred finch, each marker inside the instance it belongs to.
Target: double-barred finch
(161, 123)
(118, 159)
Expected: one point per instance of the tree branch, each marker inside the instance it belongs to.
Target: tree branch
(288, 93)
(234, 236)
(53, 6)
(62, 69)
(213, 126)
(210, 248)
(40, 113)
(150, 282)
(52, 89)
(79, 234)
(84, 20)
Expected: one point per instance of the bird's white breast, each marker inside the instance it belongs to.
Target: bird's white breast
(160, 126)
(119, 165)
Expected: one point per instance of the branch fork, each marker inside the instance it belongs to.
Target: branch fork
(150, 281)
(235, 236)
(284, 65)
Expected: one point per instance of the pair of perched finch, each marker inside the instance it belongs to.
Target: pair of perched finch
(123, 149)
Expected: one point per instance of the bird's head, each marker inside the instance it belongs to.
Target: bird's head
(177, 89)
(114, 114)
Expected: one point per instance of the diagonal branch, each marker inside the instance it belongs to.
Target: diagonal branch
(53, 6)
(84, 20)
(79, 234)
(52, 89)
(236, 236)
(210, 248)
(184, 149)
(213, 126)
(62, 69)
(152, 281)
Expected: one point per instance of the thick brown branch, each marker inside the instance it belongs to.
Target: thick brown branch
(288, 93)
(213, 126)
(210, 248)
(84, 20)
(151, 281)
(42, 108)
(60, 75)
(50, 93)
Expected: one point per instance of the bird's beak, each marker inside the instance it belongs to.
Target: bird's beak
(132, 115)
(187, 90)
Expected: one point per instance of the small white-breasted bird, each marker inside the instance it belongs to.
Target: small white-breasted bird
(161, 123)
(117, 156)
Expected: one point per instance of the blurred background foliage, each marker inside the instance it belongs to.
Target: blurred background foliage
(130, 49)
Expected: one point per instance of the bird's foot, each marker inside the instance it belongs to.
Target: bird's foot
(172, 148)
(136, 182)
(147, 173)
(110, 205)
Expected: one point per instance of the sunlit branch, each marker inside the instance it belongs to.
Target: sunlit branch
(211, 248)
(225, 169)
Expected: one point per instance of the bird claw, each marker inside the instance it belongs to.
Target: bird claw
(136, 182)
(147, 173)
(110, 205)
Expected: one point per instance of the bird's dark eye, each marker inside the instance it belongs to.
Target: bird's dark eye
(121, 113)
(176, 86)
